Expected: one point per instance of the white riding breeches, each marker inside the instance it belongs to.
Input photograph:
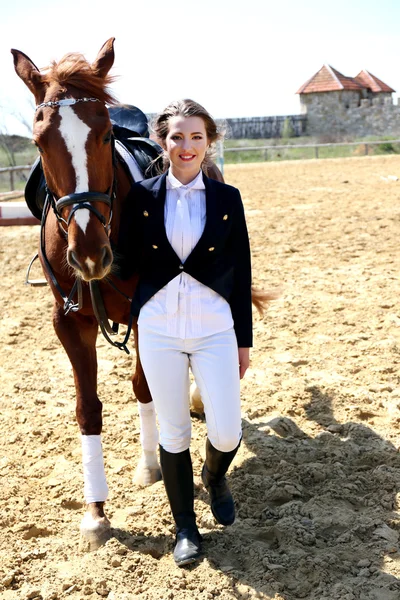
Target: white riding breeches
(214, 362)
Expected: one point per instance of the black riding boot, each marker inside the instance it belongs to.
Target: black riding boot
(178, 480)
(213, 476)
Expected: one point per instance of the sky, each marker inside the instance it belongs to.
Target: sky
(237, 58)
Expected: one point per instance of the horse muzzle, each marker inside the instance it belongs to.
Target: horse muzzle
(95, 266)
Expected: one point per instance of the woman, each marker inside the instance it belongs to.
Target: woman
(186, 235)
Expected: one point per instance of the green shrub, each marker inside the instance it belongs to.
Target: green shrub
(386, 148)
(287, 129)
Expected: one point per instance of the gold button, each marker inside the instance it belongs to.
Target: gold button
(211, 249)
(146, 214)
(225, 217)
(155, 247)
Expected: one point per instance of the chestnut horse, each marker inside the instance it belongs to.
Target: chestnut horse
(86, 190)
(73, 133)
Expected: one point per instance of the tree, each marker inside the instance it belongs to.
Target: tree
(12, 144)
(287, 129)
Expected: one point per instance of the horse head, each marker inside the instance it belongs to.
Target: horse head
(73, 133)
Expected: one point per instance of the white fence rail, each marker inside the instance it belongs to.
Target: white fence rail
(264, 149)
(221, 151)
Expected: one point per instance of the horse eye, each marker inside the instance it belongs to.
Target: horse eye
(38, 147)
(107, 138)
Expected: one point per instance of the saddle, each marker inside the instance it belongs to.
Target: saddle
(130, 129)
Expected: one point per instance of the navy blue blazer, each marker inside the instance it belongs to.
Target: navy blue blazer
(220, 260)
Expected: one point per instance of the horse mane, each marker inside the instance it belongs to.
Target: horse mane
(74, 70)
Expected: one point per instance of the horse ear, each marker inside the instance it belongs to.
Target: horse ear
(105, 59)
(30, 74)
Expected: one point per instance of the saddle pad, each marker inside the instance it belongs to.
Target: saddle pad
(131, 163)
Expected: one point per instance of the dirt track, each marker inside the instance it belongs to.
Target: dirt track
(317, 479)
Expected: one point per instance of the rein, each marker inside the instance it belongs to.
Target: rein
(80, 200)
(77, 287)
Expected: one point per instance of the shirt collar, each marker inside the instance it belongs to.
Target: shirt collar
(196, 184)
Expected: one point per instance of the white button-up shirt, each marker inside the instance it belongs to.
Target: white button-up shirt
(185, 308)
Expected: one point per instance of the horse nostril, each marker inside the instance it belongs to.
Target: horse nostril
(73, 259)
(107, 257)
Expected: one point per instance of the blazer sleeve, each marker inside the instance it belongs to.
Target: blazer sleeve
(240, 300)
(129, 236)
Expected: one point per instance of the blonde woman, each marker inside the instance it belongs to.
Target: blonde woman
(186, 236)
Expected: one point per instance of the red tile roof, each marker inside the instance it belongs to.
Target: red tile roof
(329, 80)
(366, 79)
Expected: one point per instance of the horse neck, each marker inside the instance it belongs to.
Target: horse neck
(124, 184)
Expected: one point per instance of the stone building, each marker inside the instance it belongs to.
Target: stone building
(337, 104)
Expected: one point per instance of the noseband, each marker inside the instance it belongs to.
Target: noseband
(81, 200)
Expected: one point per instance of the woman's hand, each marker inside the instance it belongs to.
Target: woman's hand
(244, 361)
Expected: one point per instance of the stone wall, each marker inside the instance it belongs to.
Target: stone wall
(346, 112)
(265, 127)
(343, 112)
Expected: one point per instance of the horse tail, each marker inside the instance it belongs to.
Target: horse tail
(261, 298)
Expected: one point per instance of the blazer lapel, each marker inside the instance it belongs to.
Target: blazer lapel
(159, 192)
(159, 195)
(207, 235)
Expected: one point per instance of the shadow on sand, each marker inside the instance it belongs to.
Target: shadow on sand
(315, 516)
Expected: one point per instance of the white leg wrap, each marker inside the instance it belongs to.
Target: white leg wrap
(94, 477)
(148, 427)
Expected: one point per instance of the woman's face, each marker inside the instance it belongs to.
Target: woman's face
(186, 145)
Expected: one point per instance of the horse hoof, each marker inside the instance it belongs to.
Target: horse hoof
(148, 470)
(94, 533)
(196, 403)
(145, 476)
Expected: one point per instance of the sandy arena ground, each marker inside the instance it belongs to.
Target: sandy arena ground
(317, 479)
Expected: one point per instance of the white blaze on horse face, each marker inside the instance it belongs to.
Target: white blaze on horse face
(75, 133)
(90, 263)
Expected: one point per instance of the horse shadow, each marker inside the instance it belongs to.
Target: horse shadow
(316, 516)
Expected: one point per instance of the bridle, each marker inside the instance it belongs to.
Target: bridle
(81, 200)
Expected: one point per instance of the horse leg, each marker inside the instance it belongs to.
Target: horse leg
(78, 334)
(196, 403)
(148, 470)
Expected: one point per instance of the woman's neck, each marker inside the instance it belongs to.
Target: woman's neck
(182, 177)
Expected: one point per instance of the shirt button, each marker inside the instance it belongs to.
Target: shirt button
(225, 217)
(181, 267)
(146, 214)
(155, 247)
(211, 249)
